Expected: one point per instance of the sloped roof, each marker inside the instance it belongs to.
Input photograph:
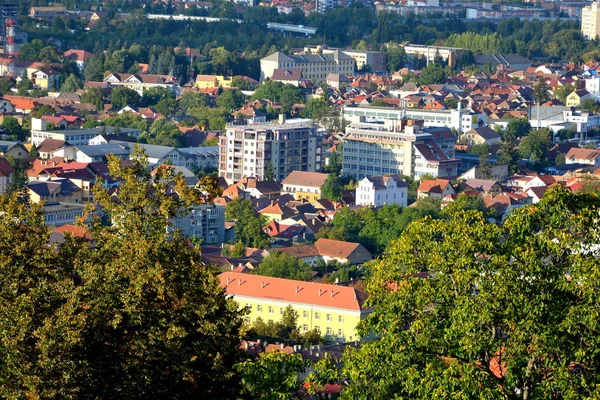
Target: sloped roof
(583, 154)
(50, 145)
(303, 178)
(433, 185)
(292, 291)
(336, 248)
(5, 168)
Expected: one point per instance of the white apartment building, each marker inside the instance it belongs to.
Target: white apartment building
(204, 221)
(249, 150)
(590, 21)
(459, 120)
(315, 67)
(375, 150)
(75, 137)
(382, 190)
(448, 54)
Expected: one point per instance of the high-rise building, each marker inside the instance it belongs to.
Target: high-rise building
(590, 21)
(252, 150)
(372, 149)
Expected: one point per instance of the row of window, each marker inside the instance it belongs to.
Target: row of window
(305, 314)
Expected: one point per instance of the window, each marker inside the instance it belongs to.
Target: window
(317, 328)
(304, 314)
(249, 306)
(281, 310)
(329, 331)
(340, 332)
(340, 319)
(317, 316)
(304, 328)
(328, 317)
(259, 308)
(270, 310)
(247, 320)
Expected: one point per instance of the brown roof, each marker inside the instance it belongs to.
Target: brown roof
(5, 168)
(433, 185)
(336, 248)
(583, 154)
(302, 178)
(286, 75)
(300, 251)
(49, 145)
(288, 290)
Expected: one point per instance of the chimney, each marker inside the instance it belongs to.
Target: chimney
(232, 268)
(282, 346)
(282, 118)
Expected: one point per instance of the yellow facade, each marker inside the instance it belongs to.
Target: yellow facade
(337, 324)
(219, 81)
(310, 196)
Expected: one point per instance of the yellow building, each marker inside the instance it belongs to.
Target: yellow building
(213, 81)
(333, 310)
(590, 21)
(577, 97)
(45, 79)
(304, 185)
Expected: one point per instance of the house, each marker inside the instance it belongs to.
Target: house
(80, 57)
(342, 252)
(381, 190)
(46, 79)
(259, 189)
(333, 310)
(6, 175)
(141, 82)
(436, 188)
(48, 147)
(51, 191)
(577, 97)
(482, 135)
(287, 76)
(276, 212)
(13, 149)
(536, 193)
(483, 185)
(304, 185)
(583, 156)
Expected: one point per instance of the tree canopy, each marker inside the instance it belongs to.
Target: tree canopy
(504, 313)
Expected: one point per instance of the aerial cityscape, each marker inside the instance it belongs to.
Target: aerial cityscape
(299, 199)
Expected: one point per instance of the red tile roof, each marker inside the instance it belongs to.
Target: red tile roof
(292, 291)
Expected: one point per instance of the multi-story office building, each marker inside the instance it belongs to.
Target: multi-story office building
(376, 60)
(333, 310)
(376, 150)
(39, 133)
(249, 150)
(590, 21)
(460, 120)
(315, 67)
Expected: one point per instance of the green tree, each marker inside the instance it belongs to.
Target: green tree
(317, 108)
(535, 146)
(71, 84)
(231, 100)
(163, 132)
(518, 127)
(332, 190)
(167, 106)
(433, 73)
(562, 92)
(5, 85)
(94, 97)
(248, 223)
(286, 94)
(396, 58)
(153, 95)
(135, 315)
(540, 91)
(531, 284)
(24, 86)
(282, 265)
(123, 96)
(194, 100)
(272, 376)
(270, 172)
(13, 128)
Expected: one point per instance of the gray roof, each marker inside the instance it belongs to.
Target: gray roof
(6, 145)
(95, 131)
(152, 150)
(44, 188)
(104, 149)
(278, 57)
(497, 59)
(199, 151)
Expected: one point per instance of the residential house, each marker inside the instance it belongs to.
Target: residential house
(276, 212)
(482, 135)
(483, 185)
(333, 310)
(46, 79)
(6, 175)
(80, 57)
(306, 253)
(435, 188)
(52, 191)
(48, 147)
(204, 221)
(141, 82)
(287, 76)
(304, 185)
(259, 189)
(577, 97)
(213, 81)
(382, 190)
(342, 252)
(497, 172)
(583, 156)
(13, 149)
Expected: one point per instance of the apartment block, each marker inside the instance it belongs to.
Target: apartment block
(249, 150)
(204, 221)
(333, 310)
(376, 60)
(314, 67)
(75, 137)
(590, 21)
(448, 54)
(375, 150)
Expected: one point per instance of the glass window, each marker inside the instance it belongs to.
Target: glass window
(270, 310)
(317, 316)
(305, 314)
(259, 308)
(340, 318)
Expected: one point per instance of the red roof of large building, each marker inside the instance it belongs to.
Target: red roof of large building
(292, 291)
